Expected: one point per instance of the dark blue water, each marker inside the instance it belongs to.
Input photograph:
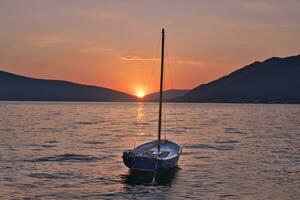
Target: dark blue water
(73, 151)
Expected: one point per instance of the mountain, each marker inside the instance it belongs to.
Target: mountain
(276, 80)
(167, 95)
(20, 88)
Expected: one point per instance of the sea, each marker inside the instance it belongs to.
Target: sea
(63, 150)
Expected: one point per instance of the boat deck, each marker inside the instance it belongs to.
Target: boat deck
(150, 149)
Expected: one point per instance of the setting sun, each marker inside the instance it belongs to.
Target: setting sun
(140, 94)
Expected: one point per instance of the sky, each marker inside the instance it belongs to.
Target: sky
(115, 43)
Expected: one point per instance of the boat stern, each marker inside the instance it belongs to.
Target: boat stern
(126, 158)
(138, 163)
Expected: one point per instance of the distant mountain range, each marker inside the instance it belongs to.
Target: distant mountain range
(19, 88)
(167, 95)
(276, 80)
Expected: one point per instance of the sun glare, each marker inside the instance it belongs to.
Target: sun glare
(140, 94)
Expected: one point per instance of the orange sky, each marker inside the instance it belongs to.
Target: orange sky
(113, 43)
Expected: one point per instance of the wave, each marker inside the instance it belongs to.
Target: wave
(46, 145)
(199, 146)
(93, 142)
(51, 141)
(85, 123)
(59, 175)
(226, 141)
(41, 145)
(221, 147)
(234, 131)
(68, 158)
(90, 122)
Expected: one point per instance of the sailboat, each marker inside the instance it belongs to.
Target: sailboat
(160, 154)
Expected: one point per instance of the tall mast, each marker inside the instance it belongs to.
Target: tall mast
(161, 83)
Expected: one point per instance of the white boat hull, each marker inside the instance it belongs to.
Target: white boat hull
(150, 157)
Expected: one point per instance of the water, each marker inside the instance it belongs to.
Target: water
(73, 151)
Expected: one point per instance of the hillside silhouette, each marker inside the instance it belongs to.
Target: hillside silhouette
(275, 80)
(20, 88)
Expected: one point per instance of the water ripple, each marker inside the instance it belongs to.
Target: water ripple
(215, 147)
(68, 158)
(234, 131)
(57, 175)
(67, 151)
(93, 142)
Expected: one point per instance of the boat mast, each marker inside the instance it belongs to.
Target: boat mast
(161, 85)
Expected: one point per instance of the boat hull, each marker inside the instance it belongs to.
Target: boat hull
(149, 164)
(147, 157)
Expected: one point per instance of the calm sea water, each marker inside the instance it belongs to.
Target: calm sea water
(73, 151)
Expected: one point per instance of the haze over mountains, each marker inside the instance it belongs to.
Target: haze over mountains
(275, 80)
(19, 88)
(167, 95)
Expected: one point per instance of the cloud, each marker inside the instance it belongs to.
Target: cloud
(137, 58)
(189, 62)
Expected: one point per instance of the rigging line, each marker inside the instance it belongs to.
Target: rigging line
(165, 86)
(171, 79)
(164, 89)
(168, 66)
(153, 65)
(156, 160)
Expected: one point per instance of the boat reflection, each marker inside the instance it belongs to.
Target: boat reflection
(162, 178)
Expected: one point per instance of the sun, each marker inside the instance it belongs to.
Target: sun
(140, 94)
